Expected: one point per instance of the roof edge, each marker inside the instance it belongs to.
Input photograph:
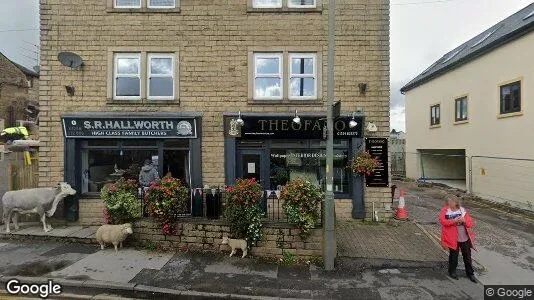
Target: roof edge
(514, 35)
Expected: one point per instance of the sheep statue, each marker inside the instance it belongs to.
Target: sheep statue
(34, 201)
(113, 234)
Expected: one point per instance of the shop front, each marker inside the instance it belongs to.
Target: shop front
(274, 149)
(103, 147)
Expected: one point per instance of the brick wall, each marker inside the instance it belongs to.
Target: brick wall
(213, 38)
(207, 236)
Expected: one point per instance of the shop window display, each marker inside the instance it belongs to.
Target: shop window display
(105, 161)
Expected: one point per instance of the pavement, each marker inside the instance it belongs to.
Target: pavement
(86, 272)
(505, 240)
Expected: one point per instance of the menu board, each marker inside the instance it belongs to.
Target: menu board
(378, 148)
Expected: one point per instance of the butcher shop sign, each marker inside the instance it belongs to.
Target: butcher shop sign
(174, 128)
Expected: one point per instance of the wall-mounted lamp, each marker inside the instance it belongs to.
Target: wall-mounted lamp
(240, 121)
(353, 122)
(70, 90)
(296, 119)
(362, 87)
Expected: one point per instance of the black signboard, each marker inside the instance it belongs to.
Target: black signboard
(378, 148)
(134, 128)
(283, 127)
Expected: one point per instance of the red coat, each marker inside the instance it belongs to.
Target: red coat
(449, 232)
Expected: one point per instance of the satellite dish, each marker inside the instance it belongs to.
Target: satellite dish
(69, 59)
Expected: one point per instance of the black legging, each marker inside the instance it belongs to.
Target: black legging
(465, 247)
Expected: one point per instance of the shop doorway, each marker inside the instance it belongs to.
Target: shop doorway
(251, 164)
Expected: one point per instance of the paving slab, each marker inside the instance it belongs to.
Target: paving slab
(106, 265)
(398, 241)
(85, 232)
(62, 231)
(29, 231)
(240, 267)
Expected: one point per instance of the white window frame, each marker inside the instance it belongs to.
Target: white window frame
(255, 5)
(117, 75)
(159, 6)
(291, 75)
(290, 5)
(150, 56)
(280, 74)
(115, 5)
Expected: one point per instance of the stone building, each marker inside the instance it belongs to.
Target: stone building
(171, 81)
(18, 84)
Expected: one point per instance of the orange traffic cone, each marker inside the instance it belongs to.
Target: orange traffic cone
(401, 213)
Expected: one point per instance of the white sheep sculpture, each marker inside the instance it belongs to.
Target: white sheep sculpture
(42, 201)
(113, 234)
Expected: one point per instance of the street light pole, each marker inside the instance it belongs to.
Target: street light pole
(329, 237)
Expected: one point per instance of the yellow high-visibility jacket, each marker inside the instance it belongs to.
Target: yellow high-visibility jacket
(21, 132)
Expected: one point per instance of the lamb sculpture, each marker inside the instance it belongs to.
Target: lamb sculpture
(113, 234)
(34, 201)
(235, 244)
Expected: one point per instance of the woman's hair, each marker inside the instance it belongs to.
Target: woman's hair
(454, 199)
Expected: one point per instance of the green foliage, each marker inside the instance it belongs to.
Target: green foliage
(242, 213)
(165, 201)
(301, 201)
(121, 203)
(288, 258)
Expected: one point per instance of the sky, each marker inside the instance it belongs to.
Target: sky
(422, 31)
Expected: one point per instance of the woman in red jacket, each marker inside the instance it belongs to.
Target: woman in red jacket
(456, 235)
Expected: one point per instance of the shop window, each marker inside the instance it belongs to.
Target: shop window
(511, 98)
(127, 83)
(105, 161)
(308, 164)
(284, 4)
(143, 5)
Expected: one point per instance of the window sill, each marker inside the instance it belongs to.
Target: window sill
(175, 102)
(461, 122)
(284, 10)
(508, 115)
(143, 10)
(435, 126)
(315, 102)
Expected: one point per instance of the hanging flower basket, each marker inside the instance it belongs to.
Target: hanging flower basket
(363, 163)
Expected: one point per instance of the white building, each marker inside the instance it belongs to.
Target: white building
(470, 115)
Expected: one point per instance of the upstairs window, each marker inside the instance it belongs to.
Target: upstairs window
(161, 3)
(303, 76)
(127, 3)
(461, 109)
(511, 98)
(160, 76)
(301, 3)
(267, 3)
(127, 85)
(268, 76)
(284, 4)
(435, 115)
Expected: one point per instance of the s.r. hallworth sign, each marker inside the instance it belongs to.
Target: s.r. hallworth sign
(283, 127)
(174, 128)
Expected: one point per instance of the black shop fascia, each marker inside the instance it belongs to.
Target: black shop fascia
(100, 148)
(274, 149)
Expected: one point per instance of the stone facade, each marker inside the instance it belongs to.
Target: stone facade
(203, 235)
(213, 40)
(15, 89)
